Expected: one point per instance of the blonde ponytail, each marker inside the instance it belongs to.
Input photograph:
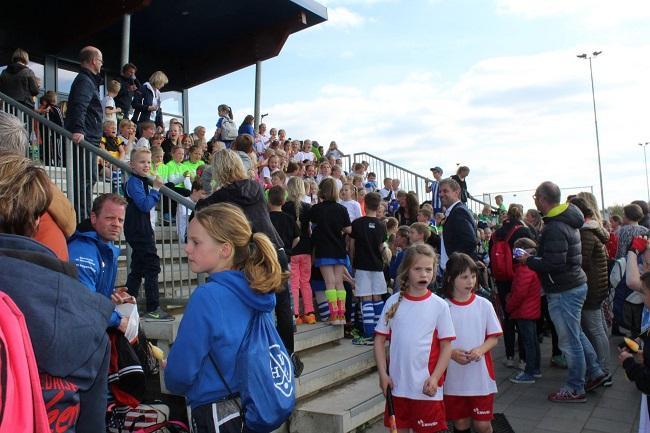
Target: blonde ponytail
(262, 268)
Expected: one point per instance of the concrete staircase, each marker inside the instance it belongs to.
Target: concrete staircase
(338, 390)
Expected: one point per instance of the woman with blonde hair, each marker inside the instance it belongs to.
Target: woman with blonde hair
(232, 185)
(244, 272)
(147, 99)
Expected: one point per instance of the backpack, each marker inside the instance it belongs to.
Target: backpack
(501, 257)
(265, 376)
(228, 129)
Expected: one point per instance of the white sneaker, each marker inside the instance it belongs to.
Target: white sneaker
(522, 365)
(509, 362)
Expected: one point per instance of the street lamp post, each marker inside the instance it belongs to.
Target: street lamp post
(593, 97)
(645, 160)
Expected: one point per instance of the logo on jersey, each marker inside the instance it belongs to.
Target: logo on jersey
(281, 370)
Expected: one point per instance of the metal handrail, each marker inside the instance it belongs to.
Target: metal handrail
(80, 177)
(417, 178)
(91, 148)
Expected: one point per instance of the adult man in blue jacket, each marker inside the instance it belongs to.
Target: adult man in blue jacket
(92, 251)
(84, 120)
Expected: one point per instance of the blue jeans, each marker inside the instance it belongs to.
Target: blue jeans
(528, 335)
(565, 309)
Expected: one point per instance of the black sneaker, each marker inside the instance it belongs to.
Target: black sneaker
(608, 381)
(298, 366)
(159, 314)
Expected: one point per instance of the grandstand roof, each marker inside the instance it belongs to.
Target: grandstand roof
(192, 41)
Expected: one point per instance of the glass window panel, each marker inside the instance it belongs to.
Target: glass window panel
(64, 79)
(172, 102)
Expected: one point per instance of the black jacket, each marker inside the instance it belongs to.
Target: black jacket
(248, 195)
(19, 82)
(125, 96)
(66, 322)
(142, 99)
(85, 113)
(459, 231)
(559, 255)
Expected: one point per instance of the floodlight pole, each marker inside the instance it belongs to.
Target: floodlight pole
(126, 39)
(258, 91)
(593, 97)
(645, 160)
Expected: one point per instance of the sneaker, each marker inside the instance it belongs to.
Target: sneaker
(298, 366)
(159, 314)
(522, 365)
(566, 396)
(537, 375)
(298, 319)
(309, 318)
(509, 362)
(608, 381)
(363, 341)
(522, 378)
(558, 361)
(595, 383)
(340, 320)
(352, 333)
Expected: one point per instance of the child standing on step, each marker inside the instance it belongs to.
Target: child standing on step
(470, 385)
(330, 224)
(301, 253)
(420, 329)
(145, 262)
(366, 247)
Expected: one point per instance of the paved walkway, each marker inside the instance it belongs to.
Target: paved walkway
(607, 410)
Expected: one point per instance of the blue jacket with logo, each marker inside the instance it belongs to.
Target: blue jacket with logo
(96, 262)
(213, 327)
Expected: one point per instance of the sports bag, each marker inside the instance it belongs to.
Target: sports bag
(264, 375)
(127, 419)
(228, 129)
(501, 257)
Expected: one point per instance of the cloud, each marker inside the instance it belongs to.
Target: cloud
(516, 121)
(343, 17)
(593, 13)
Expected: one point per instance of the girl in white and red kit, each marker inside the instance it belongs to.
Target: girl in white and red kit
(420, 330)
(470, 384)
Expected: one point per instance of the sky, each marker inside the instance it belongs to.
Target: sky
(491, 84)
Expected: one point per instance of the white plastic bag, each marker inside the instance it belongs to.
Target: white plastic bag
(130, 311)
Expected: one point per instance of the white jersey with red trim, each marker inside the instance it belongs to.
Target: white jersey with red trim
(474, 320)
(415, 333)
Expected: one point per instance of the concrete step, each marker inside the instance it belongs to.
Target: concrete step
(310, 336)
(330, 365)
(341, 409)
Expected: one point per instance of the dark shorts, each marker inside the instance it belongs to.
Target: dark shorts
(220, 417)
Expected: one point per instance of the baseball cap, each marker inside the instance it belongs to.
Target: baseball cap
(436, 168)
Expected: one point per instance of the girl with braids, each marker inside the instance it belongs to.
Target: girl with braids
(470, 384)
(301, 253)
(420, 329)
(244, 273)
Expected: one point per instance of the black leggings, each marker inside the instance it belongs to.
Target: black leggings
(546, 317)
(283, 307)
(509, 325)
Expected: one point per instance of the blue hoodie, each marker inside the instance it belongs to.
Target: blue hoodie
(96, 262)
(213, 327)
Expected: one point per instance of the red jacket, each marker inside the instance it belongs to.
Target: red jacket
(524, 300)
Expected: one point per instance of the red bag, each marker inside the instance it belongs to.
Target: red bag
(501, 257)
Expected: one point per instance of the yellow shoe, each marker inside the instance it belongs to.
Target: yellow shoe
(309, 318)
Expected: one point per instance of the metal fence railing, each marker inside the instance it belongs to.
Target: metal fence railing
(83, 171)
(409, 181)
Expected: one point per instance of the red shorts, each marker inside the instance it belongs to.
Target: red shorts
(423, 416)
(478, 407)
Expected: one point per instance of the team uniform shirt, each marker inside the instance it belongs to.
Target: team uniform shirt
(108, 102)
(329, 219)
(415, 332)
(142, 143)
(353, 207)
(474, 320)
(368, 234)
(304, 156)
